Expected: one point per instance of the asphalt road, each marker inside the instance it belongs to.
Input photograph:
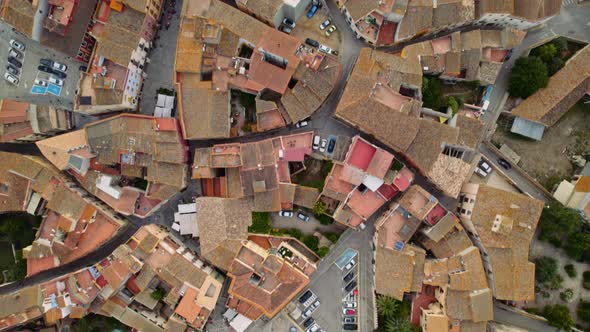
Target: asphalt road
(504, 316)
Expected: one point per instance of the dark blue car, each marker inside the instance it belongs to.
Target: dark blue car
(312, 11)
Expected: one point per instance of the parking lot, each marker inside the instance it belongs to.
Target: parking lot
(26, 89)
(310, 28)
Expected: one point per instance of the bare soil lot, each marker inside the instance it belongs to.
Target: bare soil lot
(547, 160)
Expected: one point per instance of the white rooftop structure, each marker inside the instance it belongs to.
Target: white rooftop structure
(104, 183)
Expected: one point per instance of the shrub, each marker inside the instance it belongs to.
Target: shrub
(432, 93)
(528, 75)
(311, 242)
(319, 208)
(323, 251)
(559, 316)
(586, 279)
(453, 104)
(327, 167)
(534, 311)
(325, 219)
(578, 245)
(260, 223)
(293, 232)
(556, 282)
(547, 52)
(545, 269)
(333, 237)
(158, 294)
(560, 45)
(554, 66)
(584, 311)
(570, 270)
(567, 295)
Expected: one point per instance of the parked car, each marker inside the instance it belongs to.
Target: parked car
(315, 305)
(40, 82)
(485, 167)
(302, 124)
(83, 68)
(349, 320)
(349, 312)
(504, 163)
(306, 296)
(348, 277)
(311, 42)
(46, 62)
(323, 145)
(350, 286)
(325, 49)
(312, 11)
(59, 66)
(349, 305)
(15, 54)
(17, 45)
(286, 214)
(302, 216)
(316, 142)
(12, 70)
(307, 313)
(10, 78)
(362, 226)
(349, 265)
(308, 322)
(15, 62)
(313, 328)
(289, 23)
(480, 172)
(334, 52)
(56, 81)
(330, 30)
(325, 24)
(331, 145)
(350, 327)
(285, 29)
(45, 69)
(58, 73)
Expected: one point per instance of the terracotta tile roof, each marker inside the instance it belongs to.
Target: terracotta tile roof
(466, 271)
(564, 89)
(583, 184)
(223, 224)
(305, 196)
(266, 10)
(476, 306)
(417, 201)
(20, 14)
(392, 267)
(517, 216)
(449, 12)
(264, 281)
(441, 228)
(450, 245)
(21, 301)
(418, 18)
(57, 149)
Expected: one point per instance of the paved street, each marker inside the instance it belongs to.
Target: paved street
(504, 316)
(160, 70)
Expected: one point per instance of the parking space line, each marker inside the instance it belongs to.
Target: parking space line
(54, 89)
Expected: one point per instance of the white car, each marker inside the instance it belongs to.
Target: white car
(485, 167)
(316, 142)
(323, 145)
(302, 124)
(480, 172)
(325, 24)
(325, 49)
(59, 66)
(15, 54)
(349, 305)
(40, 82)
(349, 265)
(10, 78)
(286, 214)
(18, 45)
(56, 81)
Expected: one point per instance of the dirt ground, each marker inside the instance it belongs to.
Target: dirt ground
(547, 159)
(312, 175)
(310, 28)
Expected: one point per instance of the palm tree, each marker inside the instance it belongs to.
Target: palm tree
(398, 324)
(387, 305)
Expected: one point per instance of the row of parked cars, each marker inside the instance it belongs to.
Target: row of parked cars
(310, 303)
(289, 214)
(15, 57)
(349, 302)
(322, 144)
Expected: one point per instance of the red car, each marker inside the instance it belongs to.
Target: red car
(349, 312)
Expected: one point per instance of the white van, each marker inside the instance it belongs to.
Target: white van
(316, 142)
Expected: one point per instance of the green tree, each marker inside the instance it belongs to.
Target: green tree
(453, 104)
(333, 237)
(578, 245)
(558, 315)
(570, 269)
(158, 294)
(545, 269)
(528, 75)
(432, 92)
(586, 279)
(294, 232)
(584, 311)
(327, 167)
(319, 208)
(567, 295)
(387, 305)
(311, 242)
(398, 324)
(547, 52)
(323, 251)
(558, 222)
(554, 66)
(260, 223)
(560, 45)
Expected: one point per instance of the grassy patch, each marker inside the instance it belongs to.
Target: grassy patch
(260, 223)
